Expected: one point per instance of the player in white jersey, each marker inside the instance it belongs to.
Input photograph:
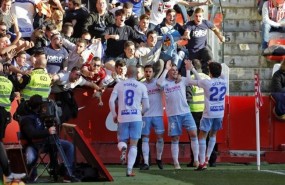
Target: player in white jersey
(178, 112)
(214, 91)
(130, 94)
(152, 118)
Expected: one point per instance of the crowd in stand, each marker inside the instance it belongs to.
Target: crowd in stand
(53, 46)
(273, 16)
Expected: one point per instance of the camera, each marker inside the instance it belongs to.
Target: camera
(48, 111)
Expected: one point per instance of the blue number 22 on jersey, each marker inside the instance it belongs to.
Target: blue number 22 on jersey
(218, 94)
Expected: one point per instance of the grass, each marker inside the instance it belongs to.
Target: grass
(223, 174)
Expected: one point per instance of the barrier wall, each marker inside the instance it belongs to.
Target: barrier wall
(238, 132)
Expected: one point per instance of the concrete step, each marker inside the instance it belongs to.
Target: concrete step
(233, 25)
(248, 73)
(243, 37)
(238, 86)
(236, 3)
(242, 49)
(242, 61)
(252, 61)
(242, 13)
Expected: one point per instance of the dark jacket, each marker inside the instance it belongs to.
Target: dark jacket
(32, 129)
(96, 24)
(176, 26)
(278, 82)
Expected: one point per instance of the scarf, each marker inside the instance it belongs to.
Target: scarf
(276, 14)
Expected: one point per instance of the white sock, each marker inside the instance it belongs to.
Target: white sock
(159, 148)
(211, 145)
(202, 150)
(195, 147)
(132, 156)
(175, 151)
(121, 145)
(145, 151)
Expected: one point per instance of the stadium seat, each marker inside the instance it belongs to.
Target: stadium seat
(279, 41)
(282, 117)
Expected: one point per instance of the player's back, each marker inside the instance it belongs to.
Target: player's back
(130, 95)
(215, 90)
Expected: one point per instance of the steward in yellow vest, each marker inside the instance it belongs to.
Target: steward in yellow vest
(38, 81)
(6, 97)
(197, 103)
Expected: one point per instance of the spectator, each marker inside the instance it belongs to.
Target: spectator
(131, 18)
(42, 37)
(117, 35)
(129, 117)
(196, 33)
(178, 112)
(150, 53)
(97, 21)
(10, 19)
(56, 19)
(63, 84)
(153, 118)
(76, 14)
(12, 40)
(119, 74)
(75, 56)
(211, 122)
(172, 31)
(128, 56)
(137, 5)
(21, 61)
(20, 66)
(67, 32)
(94, 71)
(56, 54)
(143, 26)
(278, 91)
(272, 19)
(159, 7)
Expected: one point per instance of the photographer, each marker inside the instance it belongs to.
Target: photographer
(6, 96)
(39, 135)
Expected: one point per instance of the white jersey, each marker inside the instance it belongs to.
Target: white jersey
(214, 90)
(175, 97)
(159, 9)
(25, 11)
(155, 99)
(130, 94)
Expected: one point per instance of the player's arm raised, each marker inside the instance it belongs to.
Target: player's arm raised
(160, 81)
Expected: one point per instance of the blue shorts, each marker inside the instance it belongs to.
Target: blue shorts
(175, 124)
(155, 122)
(214, 124)
(129, 130)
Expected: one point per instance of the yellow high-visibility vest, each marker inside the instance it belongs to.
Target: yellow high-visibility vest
(6, 88)
(197, 103)
(39, 84)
